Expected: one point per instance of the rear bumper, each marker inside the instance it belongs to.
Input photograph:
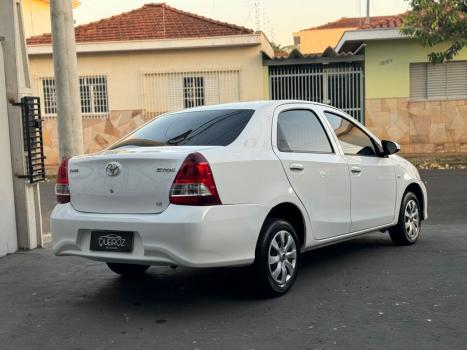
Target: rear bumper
(224, 235)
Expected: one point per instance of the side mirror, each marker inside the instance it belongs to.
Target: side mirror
(390, 147)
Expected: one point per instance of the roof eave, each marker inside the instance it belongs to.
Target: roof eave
(364, 35)
(155, 44)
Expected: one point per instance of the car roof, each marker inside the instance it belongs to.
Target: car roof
(252, 105)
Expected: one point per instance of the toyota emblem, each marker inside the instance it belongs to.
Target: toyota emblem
(112, 169)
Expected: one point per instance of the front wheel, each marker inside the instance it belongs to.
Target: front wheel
(277, 257)
(128, 270)
(407, 230)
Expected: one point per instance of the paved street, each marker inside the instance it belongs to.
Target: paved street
(362, 294)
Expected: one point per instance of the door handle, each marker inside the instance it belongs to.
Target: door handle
(355, 170)
(296, 167)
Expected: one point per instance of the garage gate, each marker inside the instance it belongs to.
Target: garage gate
(338, 84)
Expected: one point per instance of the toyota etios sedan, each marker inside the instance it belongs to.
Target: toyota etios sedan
(237, 184)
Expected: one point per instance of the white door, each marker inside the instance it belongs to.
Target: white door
(318, 175)
(372, 177)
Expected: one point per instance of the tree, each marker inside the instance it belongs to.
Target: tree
(437, 21)
(276, 47)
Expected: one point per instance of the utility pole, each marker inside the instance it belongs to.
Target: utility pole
(70, 129)
(367, 21)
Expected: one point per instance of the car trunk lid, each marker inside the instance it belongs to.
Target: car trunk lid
(127, 180)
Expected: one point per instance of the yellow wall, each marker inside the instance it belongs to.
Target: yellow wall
(36, 16)
(124, 70)
(317, 40)
(387, 64)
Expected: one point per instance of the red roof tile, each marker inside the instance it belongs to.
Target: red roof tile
(392, 21)
(152, 21)
(280, 53)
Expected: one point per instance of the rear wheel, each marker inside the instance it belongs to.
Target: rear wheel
(128, 270)
(277, 257)
(407, 230)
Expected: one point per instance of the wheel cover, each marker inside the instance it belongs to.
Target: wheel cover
(282, 257)
(412, 219)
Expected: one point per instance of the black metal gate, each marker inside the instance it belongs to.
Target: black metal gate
(32, 136)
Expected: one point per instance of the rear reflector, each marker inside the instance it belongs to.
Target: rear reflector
(194, 183)
(62, 190)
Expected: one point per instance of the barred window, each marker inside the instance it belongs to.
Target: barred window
(50, 100)
(438, 81)
(173, 91)
(93, 90)
(193, 91)
(93, 95)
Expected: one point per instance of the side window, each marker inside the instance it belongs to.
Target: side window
(351, 138)
(301, 131)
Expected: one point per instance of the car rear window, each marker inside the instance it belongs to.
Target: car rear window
(195, 128)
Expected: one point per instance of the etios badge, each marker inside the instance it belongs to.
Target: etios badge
(112, 169)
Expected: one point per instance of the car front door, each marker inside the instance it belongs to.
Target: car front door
(317, 173)
(372, 177)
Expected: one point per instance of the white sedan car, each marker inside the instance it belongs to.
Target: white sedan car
(254, 183)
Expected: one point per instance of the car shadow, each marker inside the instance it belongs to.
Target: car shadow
(172, 289)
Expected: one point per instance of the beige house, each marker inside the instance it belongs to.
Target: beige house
(148, 61)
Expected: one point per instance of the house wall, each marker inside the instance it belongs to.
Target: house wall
(317, 40)
(421, 127)
(8, 239)
(387, 65)
(124, 80)
(36, 16)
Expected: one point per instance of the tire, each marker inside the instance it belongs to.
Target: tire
(407, 230)
(128, 270)
(278, 241)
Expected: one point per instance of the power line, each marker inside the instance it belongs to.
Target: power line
(258, 15)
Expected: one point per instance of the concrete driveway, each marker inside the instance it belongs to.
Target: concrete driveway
(362, 294)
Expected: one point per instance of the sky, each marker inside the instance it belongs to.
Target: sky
(277, 18)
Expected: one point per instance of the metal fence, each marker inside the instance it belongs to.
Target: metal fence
(339, 85)
(171, 91)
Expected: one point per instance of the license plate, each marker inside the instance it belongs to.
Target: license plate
(112, 241)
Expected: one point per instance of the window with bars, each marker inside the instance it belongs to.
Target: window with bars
(50, 100)
(193, 92)
(173, 91)
(93, 95)
(438, 81)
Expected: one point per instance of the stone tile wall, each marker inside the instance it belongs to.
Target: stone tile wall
(421, 127)
(98, 133)
(424, 127)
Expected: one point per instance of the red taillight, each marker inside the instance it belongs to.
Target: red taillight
(194, 183)
(62, 190)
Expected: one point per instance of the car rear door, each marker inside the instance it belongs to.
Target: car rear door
(372, 177)
(318, 175)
